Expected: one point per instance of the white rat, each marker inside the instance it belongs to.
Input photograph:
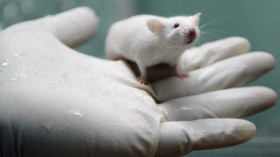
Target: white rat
(149, 40)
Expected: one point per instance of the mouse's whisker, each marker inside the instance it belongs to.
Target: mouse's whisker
(213, 21)
(201, 40)
(215, 32)
(208, 36)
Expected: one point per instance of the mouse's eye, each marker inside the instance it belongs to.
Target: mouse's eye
(176, 25)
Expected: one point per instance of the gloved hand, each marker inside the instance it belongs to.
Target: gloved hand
(57, 102)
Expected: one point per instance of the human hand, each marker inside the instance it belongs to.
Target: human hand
(55, 101)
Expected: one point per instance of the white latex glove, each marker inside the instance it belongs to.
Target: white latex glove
(56, 102)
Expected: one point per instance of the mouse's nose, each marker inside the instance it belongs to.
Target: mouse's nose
(191, 35)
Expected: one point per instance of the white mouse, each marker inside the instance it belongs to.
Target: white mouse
(149, 40)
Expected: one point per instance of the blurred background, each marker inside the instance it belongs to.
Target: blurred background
(256, 20)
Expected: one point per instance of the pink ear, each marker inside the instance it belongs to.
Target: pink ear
(197, 18)
(154, 26)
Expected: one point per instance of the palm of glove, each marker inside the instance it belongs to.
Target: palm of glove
(66, 103)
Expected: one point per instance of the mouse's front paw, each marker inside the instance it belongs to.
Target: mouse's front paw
(180, 74)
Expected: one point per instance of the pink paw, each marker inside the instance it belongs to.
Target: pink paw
(119, 57)
(180, 75)
(142, 80)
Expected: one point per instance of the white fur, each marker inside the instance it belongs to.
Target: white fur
(132, 39)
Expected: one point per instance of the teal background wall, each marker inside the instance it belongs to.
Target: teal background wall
(256, 20)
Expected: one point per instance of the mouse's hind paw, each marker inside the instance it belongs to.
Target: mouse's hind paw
(119, 57)
(143, 80)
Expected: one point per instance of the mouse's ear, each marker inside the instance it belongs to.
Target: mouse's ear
(155, 26)
(197, 18)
